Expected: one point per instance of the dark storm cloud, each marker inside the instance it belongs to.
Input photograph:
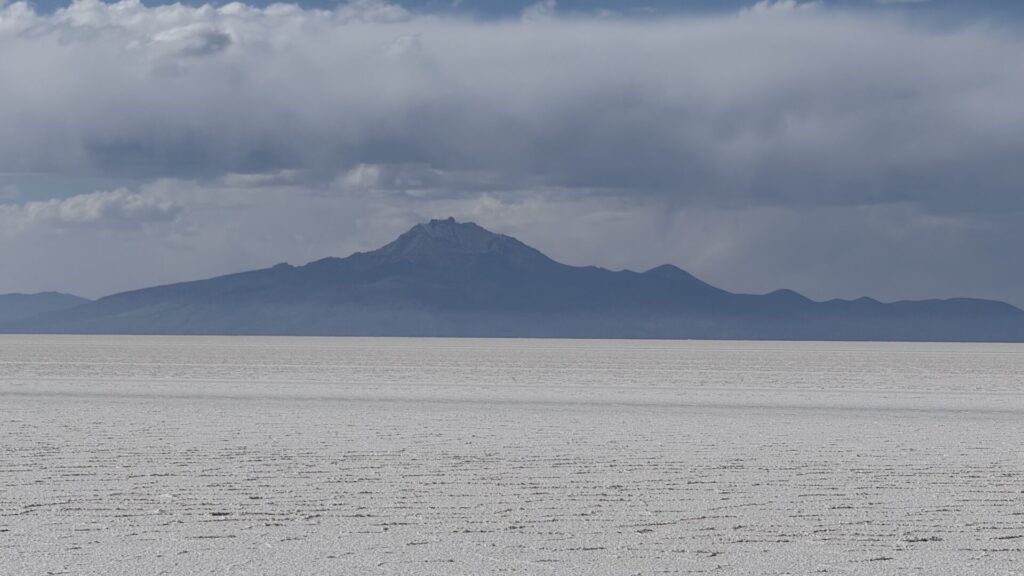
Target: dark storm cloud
(781, 104)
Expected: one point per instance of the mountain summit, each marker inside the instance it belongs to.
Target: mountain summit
(447, 243)
(446, 278)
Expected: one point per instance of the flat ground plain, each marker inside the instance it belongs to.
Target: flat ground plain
(195, 455)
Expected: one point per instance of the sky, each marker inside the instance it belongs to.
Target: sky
(838, 148)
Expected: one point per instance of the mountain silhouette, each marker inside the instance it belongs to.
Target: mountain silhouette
(14, 307)
(445, 278)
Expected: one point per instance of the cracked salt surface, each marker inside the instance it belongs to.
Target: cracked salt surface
(154, 455)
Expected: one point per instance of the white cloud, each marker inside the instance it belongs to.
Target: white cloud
(197, 39)
(371, 11)
(543, 10)
(103, 209)
(262, 179)
(421, 180)
(781, 6)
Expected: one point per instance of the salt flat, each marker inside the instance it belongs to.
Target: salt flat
(160, 455)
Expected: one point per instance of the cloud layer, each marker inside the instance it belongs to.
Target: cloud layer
(835, 140)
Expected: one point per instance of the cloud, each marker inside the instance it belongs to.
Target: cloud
(422, 180)
(791, 109)
(371, 11)
(258, 180)
(780, 6)
(102, 209)
(544, 10)
(197, 39)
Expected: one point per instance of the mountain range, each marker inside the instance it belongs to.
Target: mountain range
(15, 307)
(445, 278)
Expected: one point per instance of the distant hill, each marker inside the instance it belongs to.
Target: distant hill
(445, 278)
(14, 307)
